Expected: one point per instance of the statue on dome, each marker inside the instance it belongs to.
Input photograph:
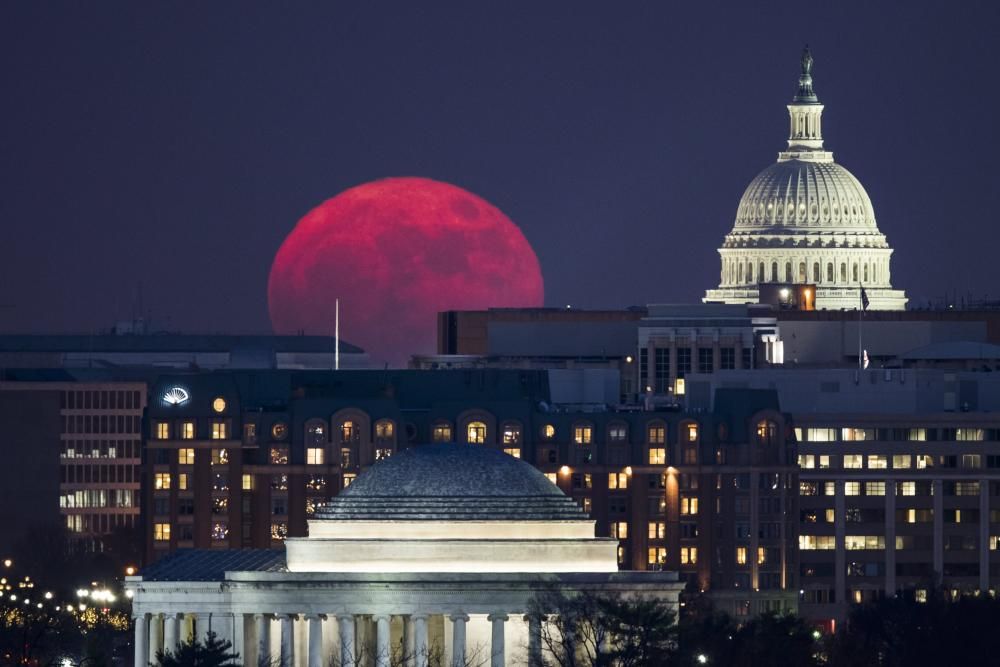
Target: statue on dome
(807, 61)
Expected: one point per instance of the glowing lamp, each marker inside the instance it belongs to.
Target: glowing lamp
(564, 470)
(628, 470)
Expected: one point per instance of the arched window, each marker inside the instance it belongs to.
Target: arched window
(788, 272)
(829, 272)
(742, 272)
(866, 272)
(548, 432)
(476, 433)
(583, 433)
(843, 272)
(854, 272)
(441, 432)
(767, 432)
(760, 273)
(774, 272)
(511, 434)
(385, 431)
(656, 433)
(816, 275)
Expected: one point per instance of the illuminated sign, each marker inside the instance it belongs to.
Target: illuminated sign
(176, 396)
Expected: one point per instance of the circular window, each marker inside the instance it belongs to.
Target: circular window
(279, 431)
(548, 431)
(219, 404)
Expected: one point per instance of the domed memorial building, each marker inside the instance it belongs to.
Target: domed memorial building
(807, 220)
(435, 553)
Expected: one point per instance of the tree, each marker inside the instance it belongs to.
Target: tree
(214, 652)
(603, 630)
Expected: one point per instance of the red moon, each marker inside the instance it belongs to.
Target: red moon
(396, 252)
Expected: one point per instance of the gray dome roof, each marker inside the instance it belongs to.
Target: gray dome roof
(806, 195)
(451, 482)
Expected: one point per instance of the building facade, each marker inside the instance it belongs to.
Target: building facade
(806, 219)
(246, 460)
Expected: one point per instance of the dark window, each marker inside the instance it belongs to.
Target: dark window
(727, 358)
(683, 361)
(662, 370)
(705, 360)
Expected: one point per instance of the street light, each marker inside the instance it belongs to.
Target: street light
(702, 659)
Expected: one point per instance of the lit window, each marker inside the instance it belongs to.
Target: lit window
(617, 433)
(187, 431)
(679, 386)
(917, 434)
(552, 477)
(656, 435)
(248, 482)
(852, 488)
(316, 483)
(807, 461)
(219, 404)
(874, 488)
(220, 529)
(741, 555)
(279, 455)
(161, 532)
(817, 542)
(692, 432)
(924, 461)
(656, 556)
(476, 433)
(906, 489)
(920, 595)
(856, 434)
(821, 434)
(348, 432)
(617, 480)
(621, 555)
(279, 431)
(348, 478)
(279, 530)
(548, 431)
(161, 480)
(511, 434)
(586, 504)
(761, 555)
(220, 457)
(969, 434)
(657, 456)
(513, 451)
(442, 433)
(314, 456)
(689, 505)
(220, 430)
(689, 555)
(383, 453)
(853, 461)
(384, 430)
(583, 435)
(316, 433)
(657, 530)
(185, 457)
(877, 462)
(901, 461)
(162, 431)
(863, 542)
(183, 481)
(619, 530)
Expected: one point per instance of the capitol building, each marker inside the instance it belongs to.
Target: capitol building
(807, 220)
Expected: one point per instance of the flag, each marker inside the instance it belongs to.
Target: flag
(864, 299)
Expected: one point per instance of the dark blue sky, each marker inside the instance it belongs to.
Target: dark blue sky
(176, 144)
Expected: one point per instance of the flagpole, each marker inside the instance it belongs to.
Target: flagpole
(336, 335)
(861, 311)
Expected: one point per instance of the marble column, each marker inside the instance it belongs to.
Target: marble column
(239, 635)
(409, 641)
(383, 648)
(458, 639)
(348, 655)
(420, 647)
(141, 640)
(288, 640)
(315, 640)
(497, 649)
(534, 640)
(262, 630)
(155, 636)
(171, 632)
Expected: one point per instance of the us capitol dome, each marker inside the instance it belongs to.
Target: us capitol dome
(807, 220)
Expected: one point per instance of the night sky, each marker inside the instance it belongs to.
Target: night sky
(174, 146)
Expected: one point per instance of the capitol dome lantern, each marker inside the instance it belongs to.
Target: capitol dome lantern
(807, 220)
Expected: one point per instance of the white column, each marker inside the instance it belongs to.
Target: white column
(262, 630)
(171, 632)
(409, 641)
(348, 656)
(155, 636)
(534, 640)
(458, 639)
(315, 640)
(383, 652)
(497, 650)
(420, 648)
(984, 536)
(288, 640)
(239, 636)
(141, 640)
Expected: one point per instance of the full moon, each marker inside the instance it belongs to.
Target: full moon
(396, 252)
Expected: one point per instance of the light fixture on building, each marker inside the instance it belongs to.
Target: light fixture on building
(564, 470)
(176, 396)
(628, 470)
(219, 404)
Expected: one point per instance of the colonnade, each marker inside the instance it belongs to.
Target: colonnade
(251, 637)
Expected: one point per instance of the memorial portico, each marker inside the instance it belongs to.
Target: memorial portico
(434, 556)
